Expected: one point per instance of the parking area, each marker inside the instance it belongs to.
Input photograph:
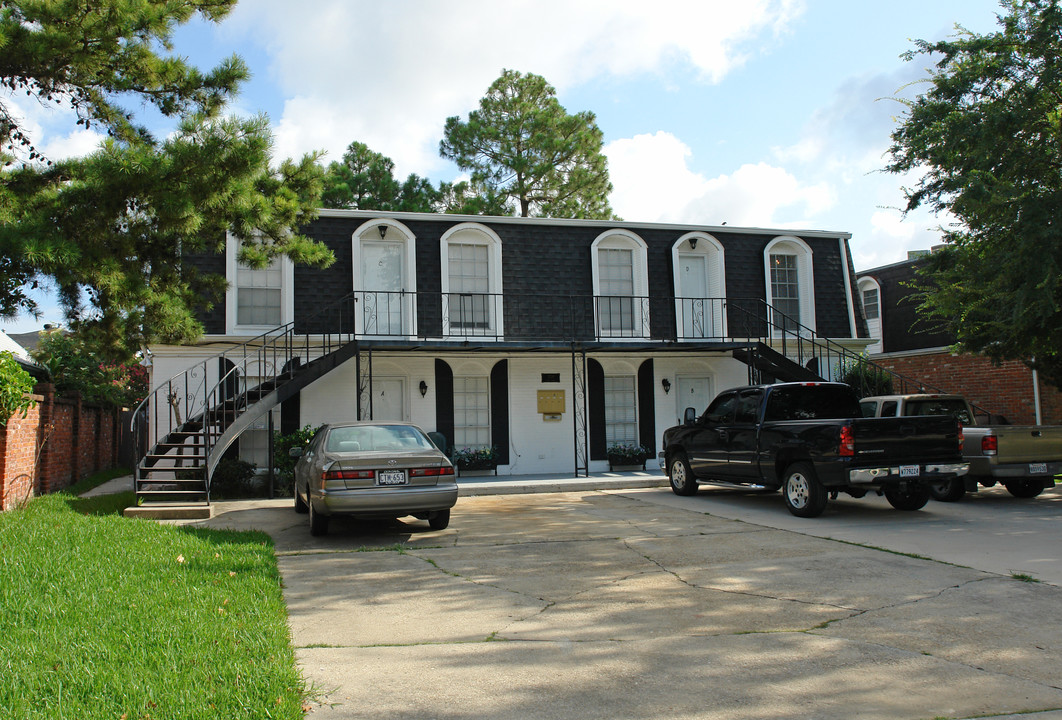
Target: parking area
(636, 603)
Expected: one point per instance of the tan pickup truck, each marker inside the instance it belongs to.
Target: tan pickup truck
(1024, 458)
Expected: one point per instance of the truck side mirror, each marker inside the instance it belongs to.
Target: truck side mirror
(689, 417)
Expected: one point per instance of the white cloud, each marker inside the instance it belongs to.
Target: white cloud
(653, 182)
(389, 74)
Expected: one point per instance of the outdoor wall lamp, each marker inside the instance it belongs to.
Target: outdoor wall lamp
(693, 243)
(667, 385)
(423, 388)
(382, 229)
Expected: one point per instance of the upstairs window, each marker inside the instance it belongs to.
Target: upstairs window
(790, 287)
(621, 285)
(471, 281)
(870, 303)
(257, 300)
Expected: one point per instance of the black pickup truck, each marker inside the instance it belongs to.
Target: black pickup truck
(811, 441)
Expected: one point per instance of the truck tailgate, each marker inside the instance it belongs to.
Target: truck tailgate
(925, 438)
(1022, 444)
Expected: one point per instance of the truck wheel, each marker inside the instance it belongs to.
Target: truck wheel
(1025, 488)
(948, 490)
(907, 498)
(681, 476)
(804, 494)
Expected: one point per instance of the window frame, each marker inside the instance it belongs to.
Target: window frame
(619, 239)
(715, 259)
(794, 246)
(394, 231)
(287, 284)
(474, 234)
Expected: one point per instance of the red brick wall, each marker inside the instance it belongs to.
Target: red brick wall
(18, 453)
(1005, 390)
(73, 440)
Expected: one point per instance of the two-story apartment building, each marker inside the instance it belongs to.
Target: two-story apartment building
(547, 339)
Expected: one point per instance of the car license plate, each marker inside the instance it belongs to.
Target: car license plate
(391, 477)
(908, 471)
(1037, 468)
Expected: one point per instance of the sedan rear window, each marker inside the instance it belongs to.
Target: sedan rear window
(376, 438)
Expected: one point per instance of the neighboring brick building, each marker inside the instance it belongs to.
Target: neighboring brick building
(914, 347)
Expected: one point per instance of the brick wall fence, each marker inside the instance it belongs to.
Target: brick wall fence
(59, 442)
(1005, 390)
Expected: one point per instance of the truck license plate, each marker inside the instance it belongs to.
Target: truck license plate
(391, 477)
(908, 471)
(1037, 468)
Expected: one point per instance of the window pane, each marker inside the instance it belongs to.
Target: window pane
(785, 291)
(258, 295)
(471, 412)
(469, 300)
(621, 409)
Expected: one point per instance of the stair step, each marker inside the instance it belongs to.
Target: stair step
(170, 511)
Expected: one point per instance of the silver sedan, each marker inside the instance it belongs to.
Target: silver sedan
(373, 470)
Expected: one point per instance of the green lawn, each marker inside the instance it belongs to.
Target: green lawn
(107, 617)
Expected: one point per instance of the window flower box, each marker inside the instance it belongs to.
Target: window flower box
(626, 456)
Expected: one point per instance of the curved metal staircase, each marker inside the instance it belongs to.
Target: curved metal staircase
(185, 425)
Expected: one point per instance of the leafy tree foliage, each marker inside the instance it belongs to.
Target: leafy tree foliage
(523, 146)
(115, 225)
(365, 180)
(988, 136)
(15, 386)
(77, 365)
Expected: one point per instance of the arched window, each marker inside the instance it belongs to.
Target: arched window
(621, 285)
(700, 287)
(385, 278)
(790, 289)
(471, 281)
(870, 297)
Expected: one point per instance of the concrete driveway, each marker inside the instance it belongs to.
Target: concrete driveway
(639, 604)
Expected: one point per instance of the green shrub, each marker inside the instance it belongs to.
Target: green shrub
(867, 378)
(15, 386)
(233, 479)
(76, 368)
(283, 462)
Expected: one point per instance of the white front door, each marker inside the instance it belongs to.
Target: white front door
(389, 399)
(694, 392)
(695, 310)
(383, 279)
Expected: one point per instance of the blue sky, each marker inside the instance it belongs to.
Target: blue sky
(763, 113)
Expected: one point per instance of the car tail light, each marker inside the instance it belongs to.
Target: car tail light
(348, 475)
(431, 471)
(847, 444)
(989, 444)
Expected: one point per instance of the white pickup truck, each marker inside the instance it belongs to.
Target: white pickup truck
(1024, 458)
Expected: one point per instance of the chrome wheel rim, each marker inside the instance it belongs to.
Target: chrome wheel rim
(678, 475)
(796, 490)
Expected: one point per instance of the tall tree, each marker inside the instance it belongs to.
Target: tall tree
(365, 180)
(114, 226)
(987, 139)
(523, 145)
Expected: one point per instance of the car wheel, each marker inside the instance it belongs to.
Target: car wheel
(681, 476)
(908, 498)
(1026, 488)
(439, 520)
(318, 522)
(300, 505)
(948, 490)
(804, 494)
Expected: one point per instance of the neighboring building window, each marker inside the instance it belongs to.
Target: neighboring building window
(870, 303)
(471, 412)
(621, 285)
(621, 410)
(471, 281)
(257, 300)
(790, 286)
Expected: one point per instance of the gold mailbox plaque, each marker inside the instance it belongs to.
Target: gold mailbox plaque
(551, 402)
